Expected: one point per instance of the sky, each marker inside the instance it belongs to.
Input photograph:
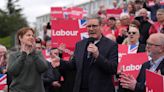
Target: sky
(34, 8)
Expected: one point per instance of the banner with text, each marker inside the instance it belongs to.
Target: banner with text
(68, 32)
(114, 12)
(57, 12)
(67, 13)
(131, 63)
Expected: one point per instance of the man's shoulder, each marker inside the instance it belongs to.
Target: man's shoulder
(82, 41)
(145, 64)
(107, 40)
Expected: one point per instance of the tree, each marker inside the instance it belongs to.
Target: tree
(11, 19)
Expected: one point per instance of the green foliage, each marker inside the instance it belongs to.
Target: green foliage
(11, 19)
(10, 24)
(6, 41)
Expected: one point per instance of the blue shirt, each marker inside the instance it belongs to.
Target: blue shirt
(155, 64)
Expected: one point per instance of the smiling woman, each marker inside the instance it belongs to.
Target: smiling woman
(26, 65)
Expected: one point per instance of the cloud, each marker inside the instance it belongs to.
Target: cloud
(35, 8)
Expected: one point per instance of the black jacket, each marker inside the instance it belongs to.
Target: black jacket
(101, 69)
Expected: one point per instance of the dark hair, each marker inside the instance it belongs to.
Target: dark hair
(112, 18)
(21, 32)
(38, 40)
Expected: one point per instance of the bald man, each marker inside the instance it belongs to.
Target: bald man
(155, 49)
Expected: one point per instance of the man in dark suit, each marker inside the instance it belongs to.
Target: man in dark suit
(155, 49)
(94, 61)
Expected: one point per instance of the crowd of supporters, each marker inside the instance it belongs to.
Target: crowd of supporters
(135, 24)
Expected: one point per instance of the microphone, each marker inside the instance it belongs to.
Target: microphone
(90, 40)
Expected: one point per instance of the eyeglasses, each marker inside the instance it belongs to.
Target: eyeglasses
(152, 44)
(93, 26)
(132, 33)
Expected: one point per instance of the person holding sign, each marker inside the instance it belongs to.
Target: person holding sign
(155, 49)
(95, 60)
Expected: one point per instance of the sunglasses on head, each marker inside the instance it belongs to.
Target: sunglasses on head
(132, 33)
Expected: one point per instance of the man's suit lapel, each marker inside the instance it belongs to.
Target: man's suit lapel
(82, 48)
(161, 66)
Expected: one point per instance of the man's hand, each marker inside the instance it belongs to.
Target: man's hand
(56, 84)
(128, 81)
(93, 49)
(62, 47)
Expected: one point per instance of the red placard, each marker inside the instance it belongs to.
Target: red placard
(114, 12)
(67, 13)
(122, 50)
(152, 85)
(56, 12)
(67, 32)
(162, 2)
(76, 12)
(131, 63)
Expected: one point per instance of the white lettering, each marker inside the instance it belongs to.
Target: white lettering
(64, 33)
(56, 12)
(131, 67)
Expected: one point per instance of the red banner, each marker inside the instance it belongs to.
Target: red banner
(162, 2)
(67, 32)
(114, 12)
(67, 13)
(152, 85)
(76, 12)
(122, 50)
(131, 63)
(56, 12)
